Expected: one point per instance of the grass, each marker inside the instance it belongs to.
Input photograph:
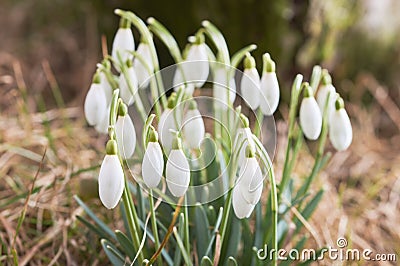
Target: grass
(362, 187)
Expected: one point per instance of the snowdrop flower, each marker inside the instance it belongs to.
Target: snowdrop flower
(340, 130)
(123, 43)
(193, 126)
(269, 87)
(310, 115)
(250, 84)
(153, 161)
(196, 66)
(102, 127)
(95, 103)
(243, 135)
(177, 170)
(106, 87)
(111, 177)
(178, 81)
(326, 89)
(248, 189)
(125, 132)
(127, 92)
(224, 87)
(166, 124)
(143, 72)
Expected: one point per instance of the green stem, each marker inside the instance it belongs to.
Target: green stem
(154, 225)
(187, 239)
(258, 123)
(296, 89)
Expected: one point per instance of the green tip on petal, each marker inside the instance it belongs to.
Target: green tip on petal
(268, 63)
(111, 147)
(129, 63)
(326, 77)
(153, 135)
(249, 61)
(339, 104)
(245, 121)
(122, 109)
(96, 78)
(249, 152)
(308, 91)
(192, 105)
(124, 23)
(171, 101)
(177, 142)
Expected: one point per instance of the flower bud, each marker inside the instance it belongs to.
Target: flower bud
(224, 91)
(243, 135)
(193, 126)
(241, 207)
(250, 84)
(165, 125)
(153, 163)
(95, 103)
(310, 115)
(111, 177)
(269, 87)
(326, 89)
(340, 130)
(102, 127)
(196, 66)
(125, 135)
(177, 170)
(123, 43)
(250, 180)
(125, 92)
(106, 87)
(142, 72)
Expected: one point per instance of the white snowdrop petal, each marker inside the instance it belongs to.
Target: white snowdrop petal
(270, 93)
(243, 134)
(224, 92)
(165, 124)
(193, 128)
(111, 181)
(310, 118)
(340, 130)
(196, 66)
(95, 104)
(124, 44)
(153, 165)
(241, 207)
(250, 87)
(322, 95)
(142, 72)
(178, 82)
(106, 87)
(250, 180)
(102, 126)
(177, 173)
(125, 93)
(125, 135)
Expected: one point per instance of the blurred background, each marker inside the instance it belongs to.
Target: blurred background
(47, 44)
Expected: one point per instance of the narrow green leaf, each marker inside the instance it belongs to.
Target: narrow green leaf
(202, 230)
(206, 261)
(97, 230)
(126, 244)
(93, 216)
(113, 254)
(186, 256)
(166, 37)
(215, 231)
(178, 254)
(309, 209)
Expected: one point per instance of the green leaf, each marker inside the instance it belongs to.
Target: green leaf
(299, 246)
(178, 254)
(232, 261)
(215, 231)
(206, 261)
(202, 230)
(309, 209)
(95, 229)
(126, 244)
(113, 254)
(166, 37)
(104, 228)
(234, 234)
(239, 55)
(186, 256)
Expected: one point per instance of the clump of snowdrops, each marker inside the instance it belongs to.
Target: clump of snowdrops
(192, 192)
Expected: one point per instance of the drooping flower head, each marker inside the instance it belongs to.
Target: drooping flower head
(340, 130)
(125, 132)
(310, 115)
(153, 161)
(123, 43)
(250, 83)
(193, 126)
(269, 87)
(95, 102)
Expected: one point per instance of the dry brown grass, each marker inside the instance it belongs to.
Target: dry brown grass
(362, 184)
